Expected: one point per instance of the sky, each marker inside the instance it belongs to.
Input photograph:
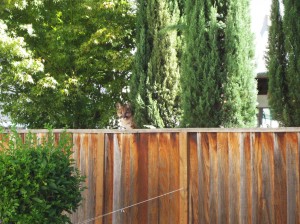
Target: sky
(260, 17)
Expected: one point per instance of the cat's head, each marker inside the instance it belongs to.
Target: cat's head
(124, 111)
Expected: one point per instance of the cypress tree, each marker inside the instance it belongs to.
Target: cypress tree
(276, 65)
(200, 86)
(218, 82)
(154, 88)
(239, 96)
(291, 25)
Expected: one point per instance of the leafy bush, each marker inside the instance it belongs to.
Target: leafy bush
(39, 182)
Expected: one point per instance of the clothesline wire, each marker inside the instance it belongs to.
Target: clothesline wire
(130, 206)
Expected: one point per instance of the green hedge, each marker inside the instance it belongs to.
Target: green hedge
(39, 182)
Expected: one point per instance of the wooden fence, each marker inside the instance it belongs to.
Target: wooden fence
(189, 176)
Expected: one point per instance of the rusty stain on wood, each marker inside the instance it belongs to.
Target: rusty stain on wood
(183, 176)
(213, 176)
(126, 176)
(153, 180)
(268, 177)
(256, 178)
(247, 181)
(117, 171)
(280, 178)
(109, 177)
(204, 176)
(223, 178)
(143, 178)
(226, 176)
(293, 196)
(164, 177)
(174, 179)
(98, 143)
(134, 177)
(234, 145)
(194, 193)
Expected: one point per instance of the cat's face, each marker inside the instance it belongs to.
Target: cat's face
(125, 115)
(124, 111)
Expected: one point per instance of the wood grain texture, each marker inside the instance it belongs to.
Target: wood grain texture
(280, 179)
(164, 177)
(125, 191)
(195, 206)
(246, 191)
(293, 196)
(153, 166)
(90, 164)
(203, 175)
(234, 144)
(109, 178)
(213, 177)
(268, 177)
(225, 177)
(183, 176)
(143, 178)
(256, 175)
(117, 171)
(134, 196)
(174, 198)
(98, 153)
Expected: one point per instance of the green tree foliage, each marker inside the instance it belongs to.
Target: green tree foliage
(86, 48)
(38, 180)
(291, 25)
(276, 59)
(17, 68)
(154, 88)
(200, 86)
(239, 97)
(217, 78)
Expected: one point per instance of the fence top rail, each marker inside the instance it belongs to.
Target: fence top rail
(162, 130)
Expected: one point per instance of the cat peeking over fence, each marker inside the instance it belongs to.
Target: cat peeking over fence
(125, 115)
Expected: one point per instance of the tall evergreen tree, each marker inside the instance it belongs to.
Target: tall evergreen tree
(239, 96)
(291, 25)
(217, 79)
(200, 85)
(276, 65)
(154, 85)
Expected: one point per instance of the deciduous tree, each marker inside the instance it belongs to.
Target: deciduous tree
(86, 48)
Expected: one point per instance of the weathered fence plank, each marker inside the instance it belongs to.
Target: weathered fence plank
(143, 178)
(234, 145)
(174, 179)
(183, 178)
(134, 178)
(187, 175)
(153, 181)
(98, 144)
(195, 207)
(293, 196)
(268, 177)
(280, 178)
(213, 175)
(223, 180)
(126, 176)
(164, 177)
(109, 178)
